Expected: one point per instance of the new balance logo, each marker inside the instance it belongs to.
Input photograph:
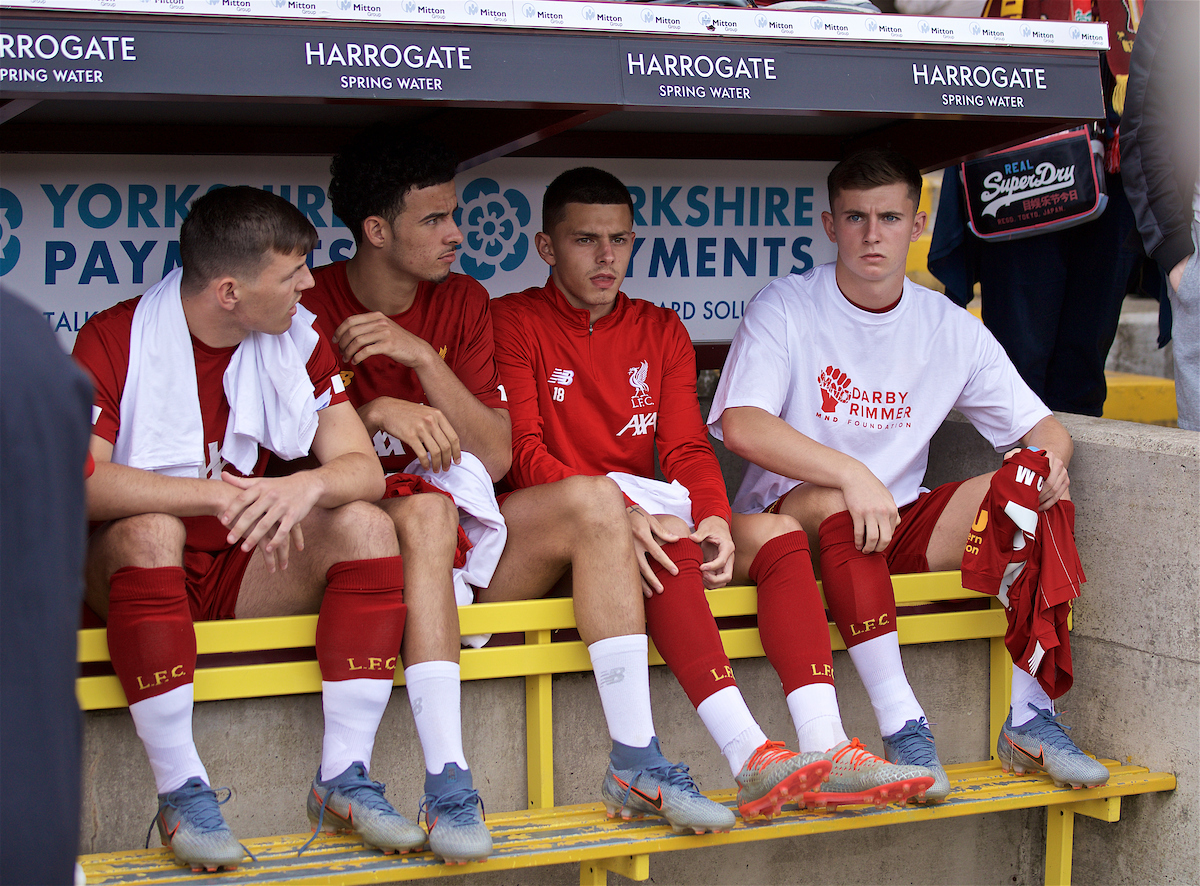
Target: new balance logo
(1027, 476)
(562, 377)
(608, 678)
(640, 424)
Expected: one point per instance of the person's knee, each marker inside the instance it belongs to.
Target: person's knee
(591, 504)
(674, 525)
(148, 541)
(780, 525)
(358, 530)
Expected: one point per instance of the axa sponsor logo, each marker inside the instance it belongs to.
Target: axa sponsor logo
(640, 423)
(11, 216)
(493, 226)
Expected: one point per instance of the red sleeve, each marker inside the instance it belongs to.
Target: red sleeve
(325, 375)
(681, 436)
(517, 360)
(476, 366)
(102, 349)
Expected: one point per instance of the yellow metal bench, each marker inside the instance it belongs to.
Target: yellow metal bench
(581, 834)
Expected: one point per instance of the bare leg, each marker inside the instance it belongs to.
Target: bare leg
(427, 528)
(147, 541)
(577, 524)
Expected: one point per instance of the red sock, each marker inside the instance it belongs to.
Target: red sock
(791, 617)
(151, 641)
(362, 619)
(858, 586)
(681, 625)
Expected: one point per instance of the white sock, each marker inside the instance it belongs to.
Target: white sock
(435, 694)
(622, 674)
(164, 724)
(353, 709)
(879, 666)
(818, 720)
(731, 725)
(1026, 690)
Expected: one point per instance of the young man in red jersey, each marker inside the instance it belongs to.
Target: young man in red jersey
(192, 380)
(597, 384)
(415, 341)
(836, 381)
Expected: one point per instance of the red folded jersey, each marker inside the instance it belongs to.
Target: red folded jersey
(400, 485)
(1029, 559)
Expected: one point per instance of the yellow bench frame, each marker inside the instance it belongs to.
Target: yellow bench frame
(538, 659)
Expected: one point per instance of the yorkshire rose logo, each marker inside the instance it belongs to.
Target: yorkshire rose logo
(492, 225)
(835, 388)
(11, 215)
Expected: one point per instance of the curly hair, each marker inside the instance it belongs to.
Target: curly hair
(374, 173)
(875, 168)
(584, 184)
(232, 231)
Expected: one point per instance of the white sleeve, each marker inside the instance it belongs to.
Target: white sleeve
(758, 370)
(995, 398)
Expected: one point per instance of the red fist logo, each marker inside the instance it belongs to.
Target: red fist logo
(835, 388)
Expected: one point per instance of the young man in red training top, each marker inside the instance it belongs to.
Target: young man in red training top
(416, 348)
(182, 506)
(597, 383)
(836, 381)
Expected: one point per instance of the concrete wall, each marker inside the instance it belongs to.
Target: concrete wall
(1137, 694)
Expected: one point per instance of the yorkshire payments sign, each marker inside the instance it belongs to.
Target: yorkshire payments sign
(80, 233)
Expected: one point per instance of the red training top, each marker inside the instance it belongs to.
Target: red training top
(592, 398)
(453, 316)
(102, 348)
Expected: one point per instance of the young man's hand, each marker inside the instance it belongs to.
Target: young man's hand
(1057, 484)
(424, 430)
(873, 510)
(367, 335)
(267, 511)
(648, 536)
(715, 540)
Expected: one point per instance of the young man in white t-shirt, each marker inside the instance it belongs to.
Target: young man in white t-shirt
(835, 383)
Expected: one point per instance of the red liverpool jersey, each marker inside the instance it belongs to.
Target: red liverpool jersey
(592, 398)
(453, 316)
(102, 348)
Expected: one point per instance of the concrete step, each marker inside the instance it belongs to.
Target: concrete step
(1141, 398)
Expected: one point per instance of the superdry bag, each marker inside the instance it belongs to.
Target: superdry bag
(1044, 185)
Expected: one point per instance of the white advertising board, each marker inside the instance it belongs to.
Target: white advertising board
(79, 233)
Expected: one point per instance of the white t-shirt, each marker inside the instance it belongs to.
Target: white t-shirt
(874, 386)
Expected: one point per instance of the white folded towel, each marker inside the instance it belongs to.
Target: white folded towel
(481, 520)
(270, 394)
(656, 497)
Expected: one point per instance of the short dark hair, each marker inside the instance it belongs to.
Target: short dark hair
(875, 168)
(584, 184)
(373, 173)
(232, 230)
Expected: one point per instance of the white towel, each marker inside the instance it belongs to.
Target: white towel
(270, 394)
(656, 497)
(481, 520)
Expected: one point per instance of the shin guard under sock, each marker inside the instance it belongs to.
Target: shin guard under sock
(358, 640)
(858, 587)
(681, 625)
(791, 617)
(151, 641)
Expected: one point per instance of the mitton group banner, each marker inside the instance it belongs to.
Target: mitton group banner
(80, 233)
